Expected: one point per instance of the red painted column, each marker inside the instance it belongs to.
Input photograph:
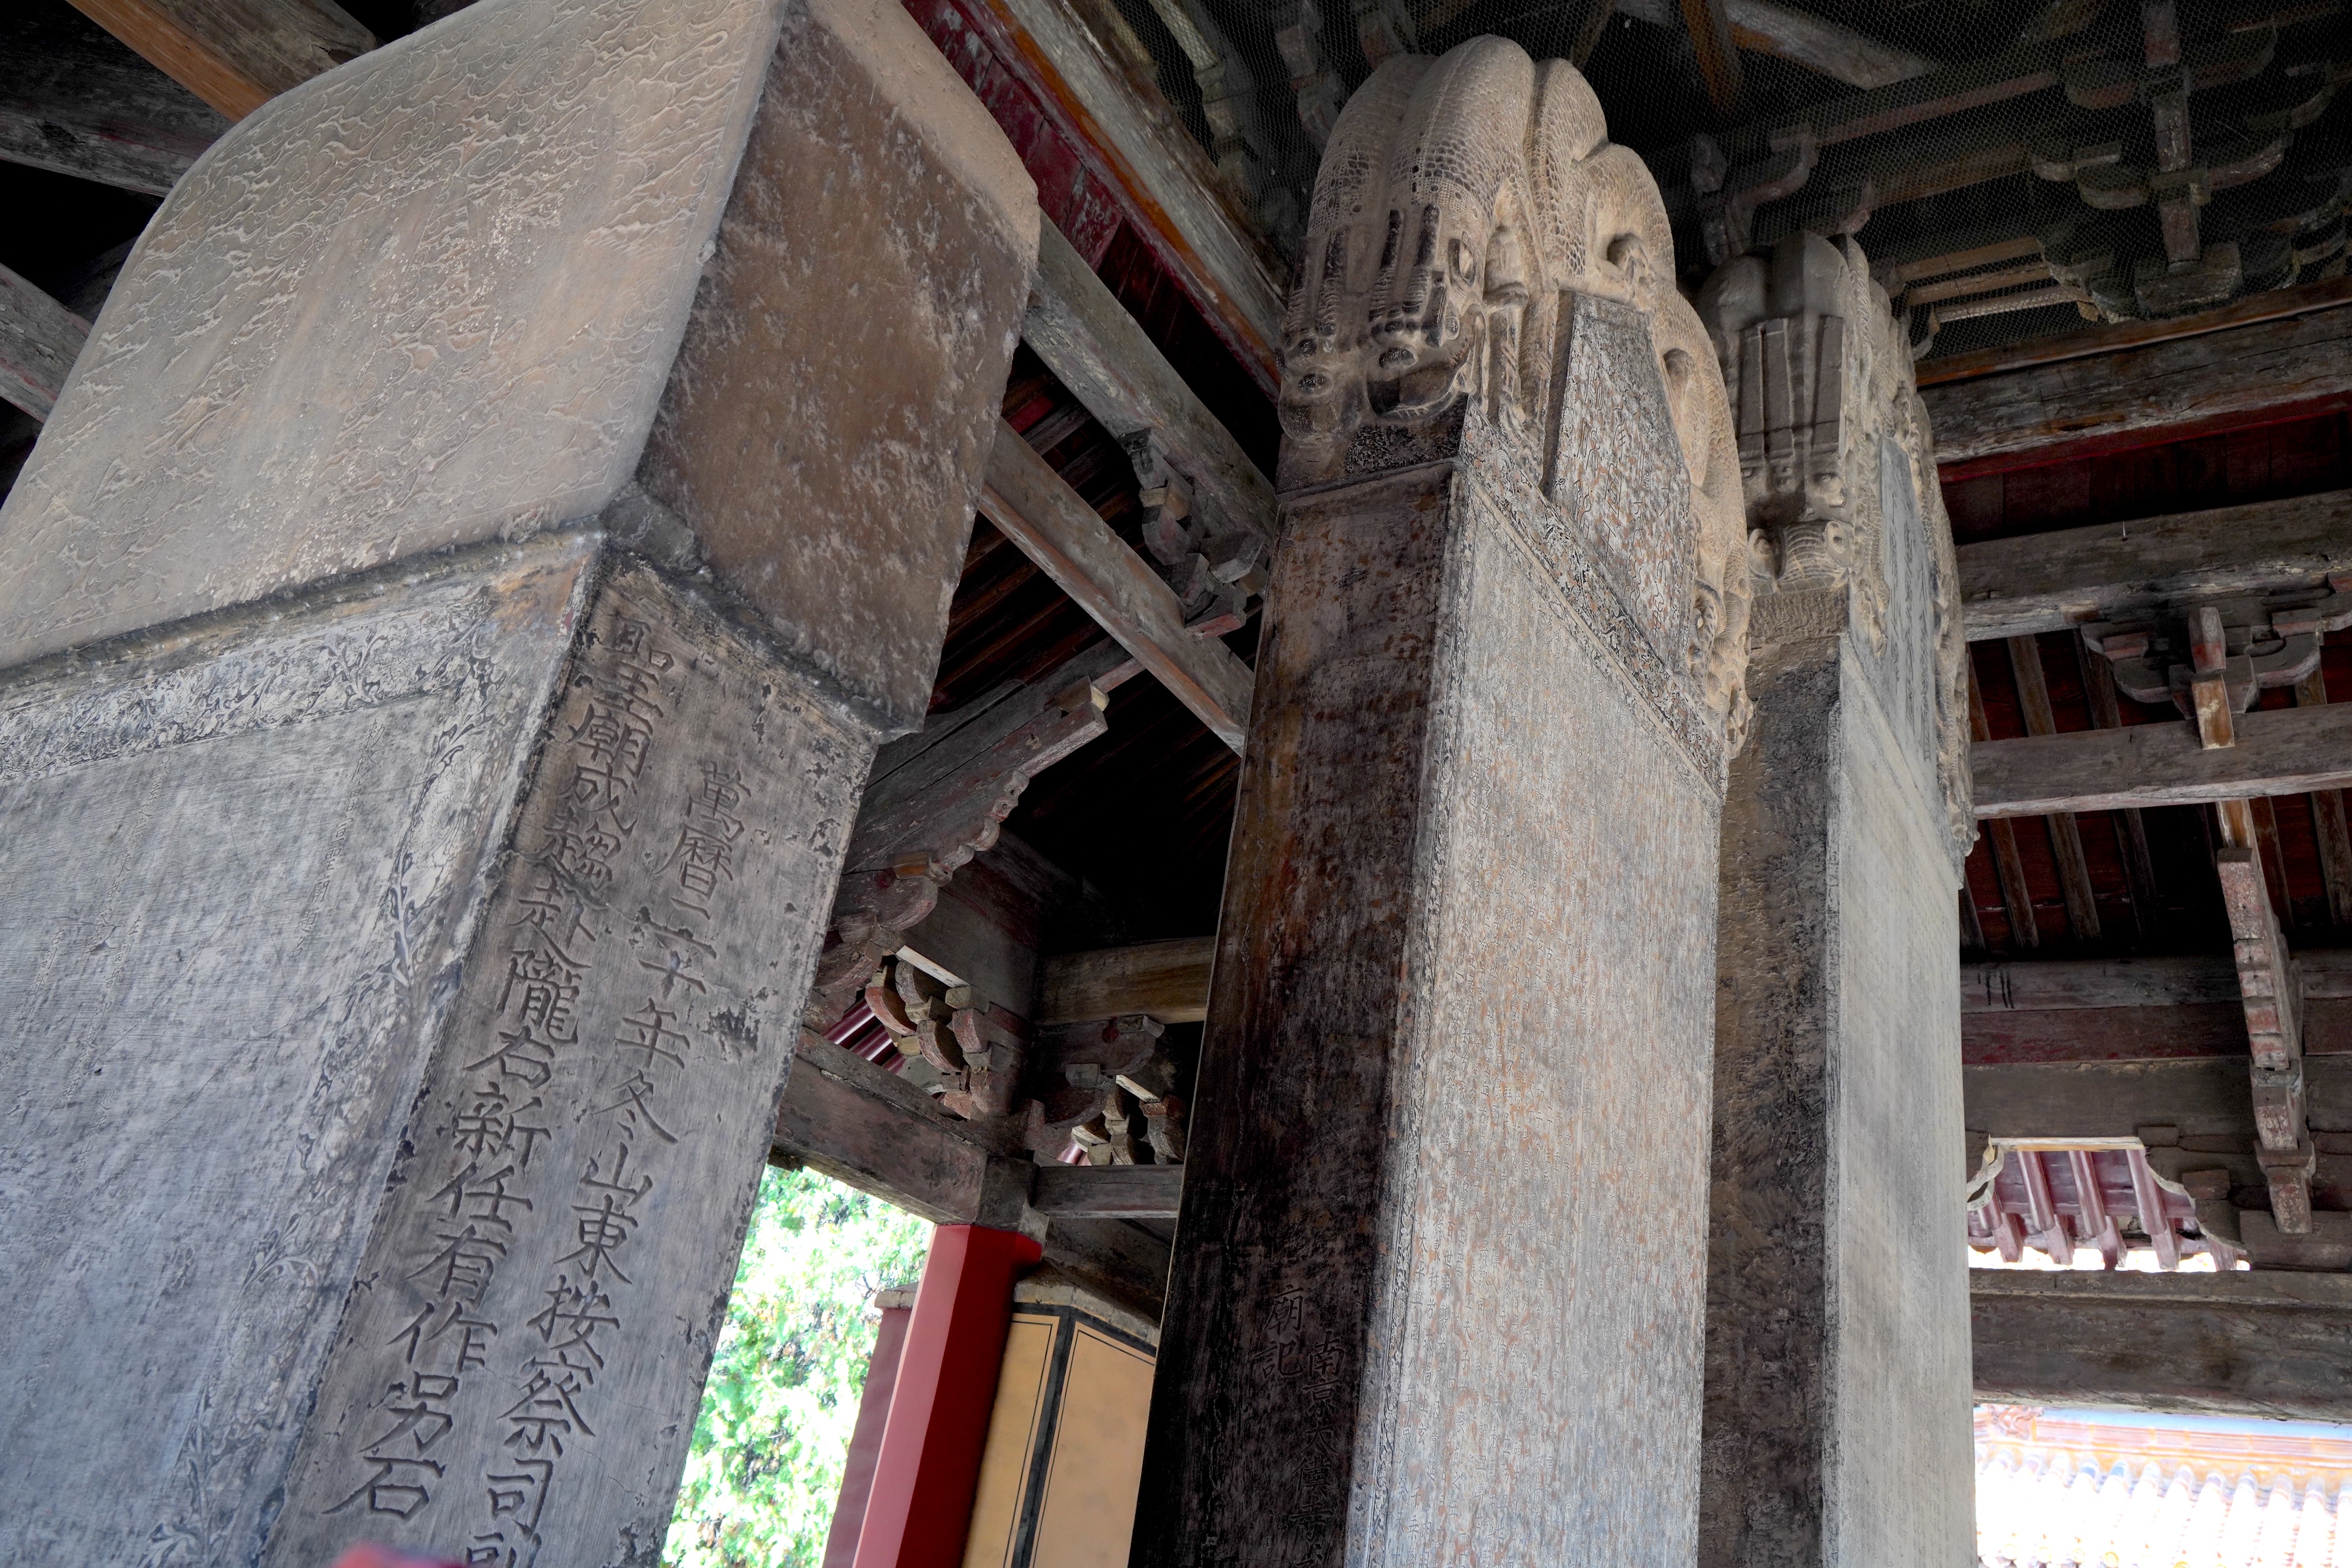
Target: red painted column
(865, 1439)
(920, 1505)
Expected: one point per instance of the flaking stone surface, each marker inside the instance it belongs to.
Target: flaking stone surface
(237, 867)
(429, 298)
(517, 1375)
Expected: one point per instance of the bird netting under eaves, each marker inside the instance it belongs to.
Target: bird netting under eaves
(2014, 168)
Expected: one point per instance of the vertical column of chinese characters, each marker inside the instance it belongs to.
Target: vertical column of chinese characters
(552, 1408)
(500, 1105)
(1308, 1366)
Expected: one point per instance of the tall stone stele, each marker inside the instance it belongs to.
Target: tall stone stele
(1837, 1424)
(1439, 1274)
(443, 633)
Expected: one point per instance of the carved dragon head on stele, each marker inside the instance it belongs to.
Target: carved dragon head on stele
(1464, 205)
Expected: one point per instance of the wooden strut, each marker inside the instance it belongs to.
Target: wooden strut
(2266, 982)
(1053, 526)
(2131, 828)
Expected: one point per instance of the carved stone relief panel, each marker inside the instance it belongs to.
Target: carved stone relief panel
(1482, 270)
(1612, 463)
(1835, 460)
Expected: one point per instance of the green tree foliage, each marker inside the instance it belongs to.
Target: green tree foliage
(770, 1444)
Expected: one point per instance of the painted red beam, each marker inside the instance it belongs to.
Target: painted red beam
(1084, 185)
(919, 1507)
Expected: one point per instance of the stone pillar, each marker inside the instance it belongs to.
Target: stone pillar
(1837, 1425)
(1438, 1279)
(419, 830)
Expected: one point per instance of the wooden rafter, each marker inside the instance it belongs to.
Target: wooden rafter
(1719, 54)
(1053, 526)
(2002, 835)
(74, 100)
(1043, 69)
(2065, 833)
(235, 55)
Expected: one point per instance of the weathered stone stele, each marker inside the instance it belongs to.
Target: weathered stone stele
(1438, 1279)
(409, 961)
(1837, 1419)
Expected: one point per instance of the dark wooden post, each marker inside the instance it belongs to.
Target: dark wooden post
(1436, 1291)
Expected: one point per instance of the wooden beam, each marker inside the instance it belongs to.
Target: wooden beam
(1166, 183)
(2262, 1344)
(39, 340)
(2239, 374)
(2271, 305)
(2008, 867)
(1800, 37)
(2056, 582)
(1822, 46)
(2065, 833)
(2291, 751)
(2072, 984)
(945, 790)
(1169, 980)
(1053, 526)
(1719, 54)
(1107, 1191)
(2036, 986)
(1113, 1257)
(235, 55)
(876, 1132)
(1087, 339)
(74, 100)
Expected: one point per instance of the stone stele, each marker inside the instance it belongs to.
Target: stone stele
(420, 832)
(1438, 1291)
(1837, 1424)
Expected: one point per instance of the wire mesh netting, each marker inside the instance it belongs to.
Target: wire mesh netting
(2014, 168)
